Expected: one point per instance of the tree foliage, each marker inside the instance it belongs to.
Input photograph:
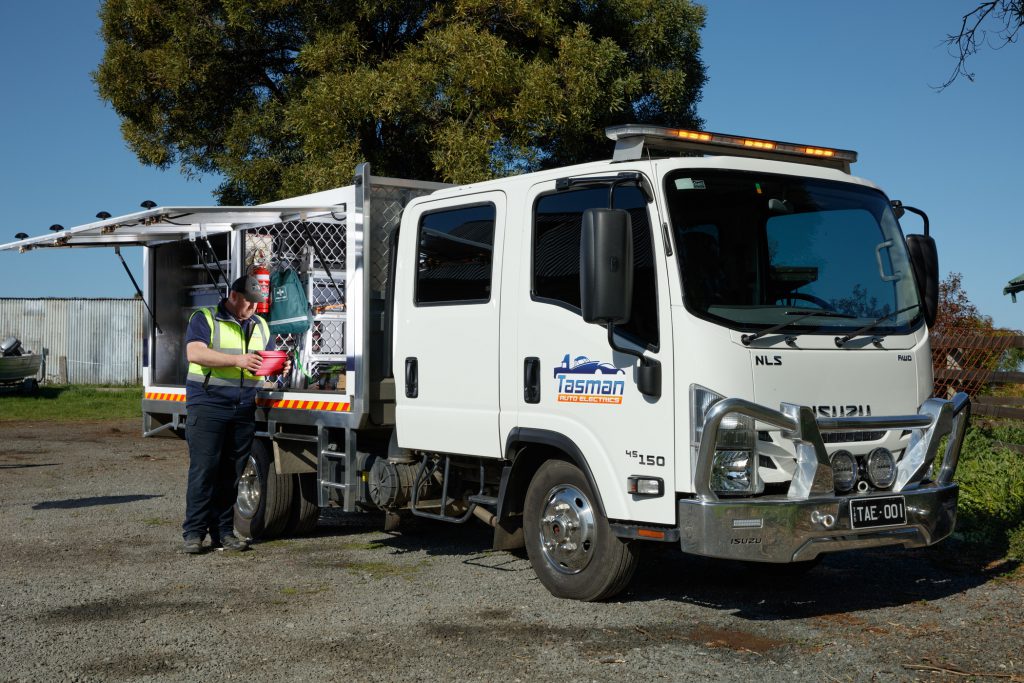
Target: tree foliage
(955, 308)
(284, 97)
(957, 315)
(995, 23)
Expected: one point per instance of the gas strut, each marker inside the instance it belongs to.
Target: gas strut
(138, 290)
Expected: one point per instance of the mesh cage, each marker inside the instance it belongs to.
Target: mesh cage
(317, 252)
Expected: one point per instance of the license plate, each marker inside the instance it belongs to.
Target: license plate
(867, 513)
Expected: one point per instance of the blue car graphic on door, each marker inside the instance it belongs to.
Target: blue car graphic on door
(581, 365)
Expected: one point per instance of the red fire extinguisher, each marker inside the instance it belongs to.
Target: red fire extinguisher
(262, 276)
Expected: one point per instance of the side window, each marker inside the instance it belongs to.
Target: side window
(455, 255)
(557, 219)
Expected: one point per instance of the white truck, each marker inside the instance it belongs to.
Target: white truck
(709, 340)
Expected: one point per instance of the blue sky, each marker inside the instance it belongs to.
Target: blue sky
(851, 75)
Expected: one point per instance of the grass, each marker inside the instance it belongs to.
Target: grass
(72, 404)
(372, 545)
(382, 570)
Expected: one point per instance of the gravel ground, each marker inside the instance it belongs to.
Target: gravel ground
(93, 587)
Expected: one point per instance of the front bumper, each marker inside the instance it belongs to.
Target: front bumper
(811, 519)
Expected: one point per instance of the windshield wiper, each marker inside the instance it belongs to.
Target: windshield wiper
(747, 338)
(840, 341)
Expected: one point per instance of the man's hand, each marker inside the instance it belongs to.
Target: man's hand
(249, 361)
(287, 366)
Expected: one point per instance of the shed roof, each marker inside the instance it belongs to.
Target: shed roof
(1013, 286)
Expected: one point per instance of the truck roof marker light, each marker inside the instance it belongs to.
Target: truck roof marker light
(631, 141)
(692, 135)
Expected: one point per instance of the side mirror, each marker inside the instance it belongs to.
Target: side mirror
(924, 258)
(606, 266)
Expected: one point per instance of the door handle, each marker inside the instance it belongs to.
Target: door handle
(531, 380)
(412, 378)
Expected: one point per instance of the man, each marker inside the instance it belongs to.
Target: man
(222, 345)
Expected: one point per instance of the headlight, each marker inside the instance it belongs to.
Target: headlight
(700, 400)
(881, 468)
(734, 472)
(844, 471)
(735, 462)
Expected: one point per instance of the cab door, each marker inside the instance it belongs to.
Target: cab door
(587, 396)
(447, 325)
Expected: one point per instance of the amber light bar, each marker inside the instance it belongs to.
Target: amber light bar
(659, 137)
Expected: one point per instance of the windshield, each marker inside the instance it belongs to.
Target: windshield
(758, 249)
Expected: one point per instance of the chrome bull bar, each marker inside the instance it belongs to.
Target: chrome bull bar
(811, 519)
(813, 475)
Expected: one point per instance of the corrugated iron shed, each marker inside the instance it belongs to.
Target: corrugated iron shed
(100, 339)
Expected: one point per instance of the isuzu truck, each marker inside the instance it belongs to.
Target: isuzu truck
(714, 341)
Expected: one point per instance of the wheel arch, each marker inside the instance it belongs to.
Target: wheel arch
(527, 449)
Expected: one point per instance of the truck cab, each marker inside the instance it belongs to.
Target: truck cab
(759, 391)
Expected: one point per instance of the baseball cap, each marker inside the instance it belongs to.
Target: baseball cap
(250, 288)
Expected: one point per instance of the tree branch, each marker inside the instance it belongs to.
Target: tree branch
(1009, 12)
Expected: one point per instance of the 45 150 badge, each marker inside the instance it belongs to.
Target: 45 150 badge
(580, 381)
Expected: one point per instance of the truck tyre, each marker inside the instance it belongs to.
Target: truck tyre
(305, 512)
(264, 497)
(570, 544)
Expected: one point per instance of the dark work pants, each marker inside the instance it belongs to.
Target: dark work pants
(219, 442)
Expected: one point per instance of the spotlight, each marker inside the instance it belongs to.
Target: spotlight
(881, 468)
(844, 471)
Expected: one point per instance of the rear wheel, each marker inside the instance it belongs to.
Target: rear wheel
(570, 544)
(305, 512)
(30, 386)
(264, 497)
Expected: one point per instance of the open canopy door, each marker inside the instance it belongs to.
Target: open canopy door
(167, 224)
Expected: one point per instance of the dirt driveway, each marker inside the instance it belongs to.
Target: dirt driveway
(92, 587)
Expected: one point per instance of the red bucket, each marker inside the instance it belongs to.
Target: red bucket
(273, 363)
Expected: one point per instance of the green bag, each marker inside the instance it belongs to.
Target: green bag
(289, 309)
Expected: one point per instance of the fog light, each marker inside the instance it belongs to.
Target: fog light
(735, 472)
(844, 471)
(645, 486)
(881, 467)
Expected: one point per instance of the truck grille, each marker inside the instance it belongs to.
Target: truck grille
(850, 437)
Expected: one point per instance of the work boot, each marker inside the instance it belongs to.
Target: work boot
(193, 545)
(232, 542)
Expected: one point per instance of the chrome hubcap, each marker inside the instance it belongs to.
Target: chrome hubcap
(249, 490)
(567, 529)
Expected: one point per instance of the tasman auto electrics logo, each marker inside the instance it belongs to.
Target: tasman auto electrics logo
(579, 381)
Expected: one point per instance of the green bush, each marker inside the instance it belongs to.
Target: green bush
(991, 482)
(1016, 550)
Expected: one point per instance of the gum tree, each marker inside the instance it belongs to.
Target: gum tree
(283, 97)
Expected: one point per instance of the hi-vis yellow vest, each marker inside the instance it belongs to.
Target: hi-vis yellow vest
(227, 337)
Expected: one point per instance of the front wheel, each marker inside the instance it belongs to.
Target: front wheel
(570, 544)
(264, 497)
